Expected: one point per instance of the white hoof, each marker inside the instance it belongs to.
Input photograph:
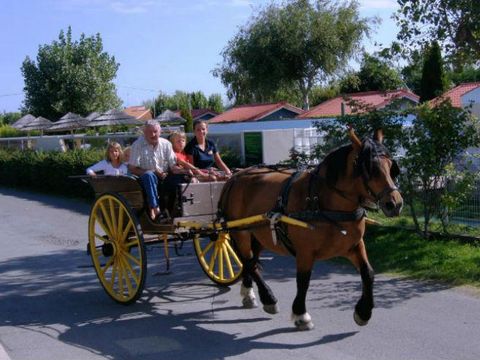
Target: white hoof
(303, 322)
(249, 300)
(358, 320)
(271, 309)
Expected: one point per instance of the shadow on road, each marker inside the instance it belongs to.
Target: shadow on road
(61, 291)
(77, 205)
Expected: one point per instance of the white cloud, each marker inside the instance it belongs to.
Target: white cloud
(378, 4)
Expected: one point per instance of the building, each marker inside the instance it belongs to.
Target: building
(466, 94)
(257, 112)
(138, 112)
(200, 114)
(361, 102)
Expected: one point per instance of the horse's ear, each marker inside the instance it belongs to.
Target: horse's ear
(378, 136)
(357, 144)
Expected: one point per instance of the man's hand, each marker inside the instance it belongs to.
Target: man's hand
(160, 173)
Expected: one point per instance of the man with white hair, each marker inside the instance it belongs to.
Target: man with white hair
(151, 158)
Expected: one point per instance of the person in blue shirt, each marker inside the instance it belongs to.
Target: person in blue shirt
(203, 153)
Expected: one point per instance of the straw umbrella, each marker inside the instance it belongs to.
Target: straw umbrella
(69, 122)
(92, 116)
(169, 116)
(24, 120)
(114, 118)
(40, 123)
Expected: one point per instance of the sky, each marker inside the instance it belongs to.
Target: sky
(161, 45)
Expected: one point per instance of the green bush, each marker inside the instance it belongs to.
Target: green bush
(7, 131)
(48, 171)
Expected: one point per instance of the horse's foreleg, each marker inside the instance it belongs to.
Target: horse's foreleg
(363, 309)
(300, 317)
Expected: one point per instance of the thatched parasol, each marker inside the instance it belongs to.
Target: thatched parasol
(92, 116)
(114, 118)
(170, 117)
(69, 122)
(40, 123)
(24, 120)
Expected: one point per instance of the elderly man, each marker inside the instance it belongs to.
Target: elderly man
(151, 158)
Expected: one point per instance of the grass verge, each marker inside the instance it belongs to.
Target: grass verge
(405, 252)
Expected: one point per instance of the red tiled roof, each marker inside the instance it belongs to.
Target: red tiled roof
(375, 99)
(455, 94)
(138, 112)
(252, 112)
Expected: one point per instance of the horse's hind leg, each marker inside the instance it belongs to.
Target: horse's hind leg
(363, 309)
(250, 249)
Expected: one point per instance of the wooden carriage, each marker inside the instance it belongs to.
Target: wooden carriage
(119, 229)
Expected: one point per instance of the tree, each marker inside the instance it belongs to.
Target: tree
(8, 118)
(198, 100)
(437, 137)
(70, 76)
(469, 73)
(375, 74)
(433, 82)
(412, 72)
(293, 46)
(453, 23)
(187, 115)
(215, 103)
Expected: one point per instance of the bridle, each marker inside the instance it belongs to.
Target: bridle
(376, 196)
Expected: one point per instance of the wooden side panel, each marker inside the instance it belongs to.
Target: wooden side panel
(200, 199)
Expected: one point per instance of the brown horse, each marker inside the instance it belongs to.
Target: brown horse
(330, 199)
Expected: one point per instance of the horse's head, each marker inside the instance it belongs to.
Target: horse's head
(378, 171)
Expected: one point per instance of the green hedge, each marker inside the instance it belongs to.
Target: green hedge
(48, 171)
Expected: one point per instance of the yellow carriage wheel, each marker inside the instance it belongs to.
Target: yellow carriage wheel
(218, 259)
(117, 248)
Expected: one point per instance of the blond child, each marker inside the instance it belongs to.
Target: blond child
(179, 140)
(112, 164)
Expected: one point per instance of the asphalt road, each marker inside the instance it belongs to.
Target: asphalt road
(53, 307)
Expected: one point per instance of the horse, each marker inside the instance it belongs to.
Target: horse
(330, 199)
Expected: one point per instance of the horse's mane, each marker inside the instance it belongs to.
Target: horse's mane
(367, 160)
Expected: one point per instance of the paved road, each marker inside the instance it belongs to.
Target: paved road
(52, 306)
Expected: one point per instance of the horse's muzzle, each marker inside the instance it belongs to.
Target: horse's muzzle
(392, 204)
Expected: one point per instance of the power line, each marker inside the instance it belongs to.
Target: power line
(136, 88)
(5, 95)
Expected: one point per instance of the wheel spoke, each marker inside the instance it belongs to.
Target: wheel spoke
(227, 260)
(207, 248)
(233, 254)
(132, 271)
(120, 221)
(125, 276)
(133, 258)
(107, 220)
(211, 265)
(98, 219)
(111, 206)
(220, 260)
(132, 243)
(107, 265)
(126, 230)
(101, 237)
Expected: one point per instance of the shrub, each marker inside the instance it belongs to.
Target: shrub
(48, 171)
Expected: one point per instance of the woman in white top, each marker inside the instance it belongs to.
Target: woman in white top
(112, 164)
